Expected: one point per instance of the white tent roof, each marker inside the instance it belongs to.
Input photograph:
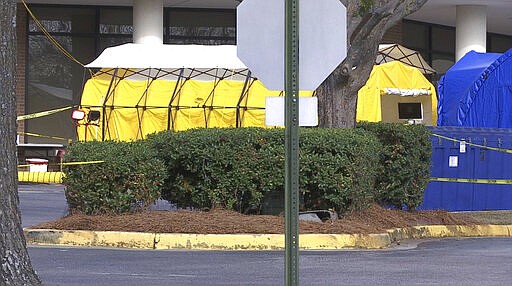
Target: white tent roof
(142, 56)
(395, 52)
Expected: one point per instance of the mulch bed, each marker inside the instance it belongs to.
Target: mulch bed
(217, 221)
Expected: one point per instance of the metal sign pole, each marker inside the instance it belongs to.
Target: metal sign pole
(291, 142)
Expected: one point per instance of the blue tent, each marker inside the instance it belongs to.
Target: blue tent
(477, 91)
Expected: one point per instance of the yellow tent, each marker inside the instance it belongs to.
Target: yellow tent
(142, 89)
(396, 92)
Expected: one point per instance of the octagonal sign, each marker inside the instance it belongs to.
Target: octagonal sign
(322, 40)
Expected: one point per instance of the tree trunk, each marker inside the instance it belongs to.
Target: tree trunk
(338, 107)
(16, 268)
(337, 96)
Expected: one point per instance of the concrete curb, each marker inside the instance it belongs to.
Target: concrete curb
(256, 241)
(439, 231)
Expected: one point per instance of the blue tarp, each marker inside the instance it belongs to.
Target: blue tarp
(477, 92)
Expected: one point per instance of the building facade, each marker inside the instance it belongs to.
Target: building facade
(49, 78)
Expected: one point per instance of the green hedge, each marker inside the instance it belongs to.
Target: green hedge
(405, 161)
(231, 168)
(130, 178)
(243, 169)
(338, 168)
(237, 168)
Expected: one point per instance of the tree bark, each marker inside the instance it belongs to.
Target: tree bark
(337, 95)
(15, 268)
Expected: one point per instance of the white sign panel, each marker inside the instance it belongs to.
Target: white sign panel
(462, 147)
(322, 40)
(453, 161)
(274, 111)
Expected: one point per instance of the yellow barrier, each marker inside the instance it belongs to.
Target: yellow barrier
(48, 177)
(476, 181)
(40, 177)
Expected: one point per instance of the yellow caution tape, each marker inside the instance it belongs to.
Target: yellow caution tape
(44, 136)
(41, 177)
(42, 113)
(66, 164)
(81, 163)
(476, 181)
(473, 144)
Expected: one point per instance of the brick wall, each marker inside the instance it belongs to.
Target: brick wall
(393, 35)
(21, 27)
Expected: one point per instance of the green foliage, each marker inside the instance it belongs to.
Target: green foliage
(406, 163)
(338, 168)
(241, 169)
(236, 168)
(230, 168)
(130, 178)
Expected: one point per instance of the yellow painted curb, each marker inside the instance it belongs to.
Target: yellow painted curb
(256, 241)
(202, 241)
(90, 238)
(268, 241)
(220, 241)
(439, 231)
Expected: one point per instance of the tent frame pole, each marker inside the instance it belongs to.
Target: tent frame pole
(103, 107)
(243, 94)
(211, 97)
(177, 90)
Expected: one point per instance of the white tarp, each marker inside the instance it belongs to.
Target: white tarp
(141, 56)
(407, 92)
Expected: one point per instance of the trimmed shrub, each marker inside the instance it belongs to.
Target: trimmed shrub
(338, 168)
(229, 168)
(237, 168)
(405, 158)
(243, 169)
(130, 179)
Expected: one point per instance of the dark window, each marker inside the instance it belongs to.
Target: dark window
(499, 43)
(54, 81)
(436, 43)
(443, 39)
(63, 19)
(117, 21)
(201, 26)
(410, 110)
(415, 35)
